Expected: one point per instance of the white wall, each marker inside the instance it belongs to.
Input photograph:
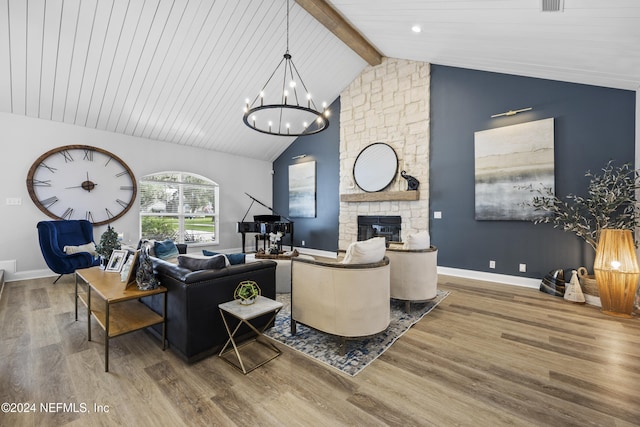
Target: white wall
(24, 139)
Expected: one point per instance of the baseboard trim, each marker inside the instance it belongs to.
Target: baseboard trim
(526, 282)
(29, 275)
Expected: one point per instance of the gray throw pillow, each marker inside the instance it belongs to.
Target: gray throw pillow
(195, 264)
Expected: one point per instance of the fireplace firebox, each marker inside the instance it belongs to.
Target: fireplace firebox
(388, 227)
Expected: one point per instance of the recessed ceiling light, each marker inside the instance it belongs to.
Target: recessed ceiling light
(416, 29)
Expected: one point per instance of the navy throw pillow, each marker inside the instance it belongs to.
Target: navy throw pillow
(166, 249)
(233, 258)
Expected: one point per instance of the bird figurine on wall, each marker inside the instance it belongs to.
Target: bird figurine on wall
(412, 182)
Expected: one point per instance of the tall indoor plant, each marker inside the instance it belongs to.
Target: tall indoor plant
(610, 203)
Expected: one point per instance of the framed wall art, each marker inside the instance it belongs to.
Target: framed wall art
(302, 190)
(507, 160)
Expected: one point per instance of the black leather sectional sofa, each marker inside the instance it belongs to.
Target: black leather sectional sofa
(195, 328)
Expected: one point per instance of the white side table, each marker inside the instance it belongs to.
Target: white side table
(244, 314)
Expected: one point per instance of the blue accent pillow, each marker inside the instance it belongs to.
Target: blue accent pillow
(233, 258)
(166, 249)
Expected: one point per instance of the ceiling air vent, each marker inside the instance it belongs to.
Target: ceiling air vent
(552, 5)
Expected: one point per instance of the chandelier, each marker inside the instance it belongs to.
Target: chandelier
(285, 107)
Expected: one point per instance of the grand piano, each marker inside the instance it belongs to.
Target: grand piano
(262, 225)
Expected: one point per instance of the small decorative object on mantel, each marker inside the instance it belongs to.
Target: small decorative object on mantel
(247, 292)
(412, 182)
(573, 292)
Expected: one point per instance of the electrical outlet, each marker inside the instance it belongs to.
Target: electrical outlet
(303, 243)
(437, 215)
(492, 264)
(523, 268)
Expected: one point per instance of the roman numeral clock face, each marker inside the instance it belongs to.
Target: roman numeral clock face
(81, 182)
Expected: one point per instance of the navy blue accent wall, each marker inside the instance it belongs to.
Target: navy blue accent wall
(592, 125)
(320, 232)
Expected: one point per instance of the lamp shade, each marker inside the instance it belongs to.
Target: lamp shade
(617, 271)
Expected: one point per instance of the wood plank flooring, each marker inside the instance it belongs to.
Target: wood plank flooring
(488, 355)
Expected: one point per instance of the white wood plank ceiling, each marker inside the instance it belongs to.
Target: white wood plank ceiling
(180, 70)
(593, 42)
(171, 70)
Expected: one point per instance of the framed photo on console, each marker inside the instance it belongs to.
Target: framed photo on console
(116, 261)
(128, 273)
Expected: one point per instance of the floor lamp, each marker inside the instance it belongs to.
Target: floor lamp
(617, 272)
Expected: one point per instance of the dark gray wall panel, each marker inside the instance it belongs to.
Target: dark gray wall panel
(320, 232)
(592, 125)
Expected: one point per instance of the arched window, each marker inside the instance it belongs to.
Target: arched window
(180, 206)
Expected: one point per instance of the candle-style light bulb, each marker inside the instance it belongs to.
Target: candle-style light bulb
(270, 123)
(292, 84)
(254, 120)
(308, 100)
(286, 93)
(288, 127)
(261, 98)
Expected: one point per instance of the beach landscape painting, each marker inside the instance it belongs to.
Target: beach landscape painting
(507, 159)
(302, 190)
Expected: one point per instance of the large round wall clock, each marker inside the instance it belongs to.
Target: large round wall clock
(81, 182)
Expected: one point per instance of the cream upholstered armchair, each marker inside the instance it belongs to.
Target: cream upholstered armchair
(414, 274)
(347, 300)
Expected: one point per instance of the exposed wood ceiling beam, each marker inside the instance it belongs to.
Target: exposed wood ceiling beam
(335, 23)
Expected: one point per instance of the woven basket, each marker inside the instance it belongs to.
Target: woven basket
(588, 283)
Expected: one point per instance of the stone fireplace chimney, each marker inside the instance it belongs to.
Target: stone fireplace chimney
(387, 103)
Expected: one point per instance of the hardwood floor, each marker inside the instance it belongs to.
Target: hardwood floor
(488, 355)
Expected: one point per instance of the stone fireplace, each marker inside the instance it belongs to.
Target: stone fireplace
(387, 103)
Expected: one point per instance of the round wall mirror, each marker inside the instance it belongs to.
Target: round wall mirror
(375, 167)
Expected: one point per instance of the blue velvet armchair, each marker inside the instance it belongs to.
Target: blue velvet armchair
(55, 235)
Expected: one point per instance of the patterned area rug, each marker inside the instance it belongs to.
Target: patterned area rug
(360, 352)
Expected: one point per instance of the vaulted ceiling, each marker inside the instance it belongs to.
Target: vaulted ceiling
(180, 70)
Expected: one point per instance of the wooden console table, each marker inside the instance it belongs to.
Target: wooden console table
(116, 309)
